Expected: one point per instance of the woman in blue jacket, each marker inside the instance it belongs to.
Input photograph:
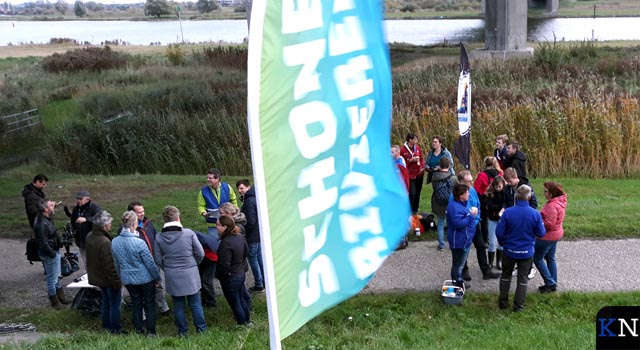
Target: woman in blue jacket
(461, 228)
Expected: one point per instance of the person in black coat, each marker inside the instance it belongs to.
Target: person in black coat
(232, 264)
(32, 194)
(252, 227)
(81, 218)
(516, 159)
(48, 249)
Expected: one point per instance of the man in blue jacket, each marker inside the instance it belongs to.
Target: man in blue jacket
(516, 232)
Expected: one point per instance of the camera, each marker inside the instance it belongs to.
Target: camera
(67, 235)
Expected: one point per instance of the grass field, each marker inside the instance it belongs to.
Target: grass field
(378, 322)
(598, 209)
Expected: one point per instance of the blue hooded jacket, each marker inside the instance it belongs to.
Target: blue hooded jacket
(461, 225)
(474, 201)
(518, 228)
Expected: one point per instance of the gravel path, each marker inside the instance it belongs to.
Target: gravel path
(584, 266)
(605, 265)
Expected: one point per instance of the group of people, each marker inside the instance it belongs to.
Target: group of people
(497, 213)
(177, 261)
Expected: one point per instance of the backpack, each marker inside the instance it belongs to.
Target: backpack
(69, 263)
(442, 190)
(32, 251)
(88, 301)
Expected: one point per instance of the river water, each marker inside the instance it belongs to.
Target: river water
(419, 32)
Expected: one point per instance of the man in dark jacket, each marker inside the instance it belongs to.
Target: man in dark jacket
(516, 159)
(32, 194)
(254, 254)
(516, 232)
(48, 250)
(102, 273)
(81, 217)
(513, 181)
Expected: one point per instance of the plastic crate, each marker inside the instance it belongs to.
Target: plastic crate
(452, 294)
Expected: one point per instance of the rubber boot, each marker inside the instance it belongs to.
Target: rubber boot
(60, 294)
(491, 257)
(55, 302)
(499, 259)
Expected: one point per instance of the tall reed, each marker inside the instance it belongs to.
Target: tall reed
(574, 109)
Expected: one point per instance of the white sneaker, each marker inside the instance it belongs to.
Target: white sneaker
(532, 274)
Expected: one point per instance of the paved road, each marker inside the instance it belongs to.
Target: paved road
(584, 266)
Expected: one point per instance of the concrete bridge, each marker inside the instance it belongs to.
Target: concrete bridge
(506, 27)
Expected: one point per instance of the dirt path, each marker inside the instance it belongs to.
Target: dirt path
(21, 284)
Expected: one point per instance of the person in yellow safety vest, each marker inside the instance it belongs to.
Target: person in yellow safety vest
(212, 196)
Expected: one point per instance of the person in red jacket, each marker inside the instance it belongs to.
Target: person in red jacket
(484, 178)
(545, 250)
(400, 165)
(414, 159)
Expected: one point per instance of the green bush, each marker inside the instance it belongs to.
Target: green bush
(549, 56)
(92, 59)
(175, 55)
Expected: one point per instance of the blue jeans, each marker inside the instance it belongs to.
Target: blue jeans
(179, 313)
(546, 250)
(143, 296)
(110, 309)
(459, 257)
(493, 241)
(52, 270)
(440, 231)
(233, 289)
(254, 256)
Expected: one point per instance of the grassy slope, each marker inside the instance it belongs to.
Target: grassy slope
(379, 322)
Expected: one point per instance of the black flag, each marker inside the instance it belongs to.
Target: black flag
(462, 149)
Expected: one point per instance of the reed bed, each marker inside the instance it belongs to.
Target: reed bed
(573, 108)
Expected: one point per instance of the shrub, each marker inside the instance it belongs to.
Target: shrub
(223, 56)
(549, 56)
(409, 8)
(92, 59)
(175, 55)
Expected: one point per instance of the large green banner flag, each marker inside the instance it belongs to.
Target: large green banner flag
(331, 204)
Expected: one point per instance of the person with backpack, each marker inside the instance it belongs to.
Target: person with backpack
(442, 182)
(437, 152)
(484, 178)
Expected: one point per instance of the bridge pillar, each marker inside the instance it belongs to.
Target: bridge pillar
(505, 29)
(552, 7)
